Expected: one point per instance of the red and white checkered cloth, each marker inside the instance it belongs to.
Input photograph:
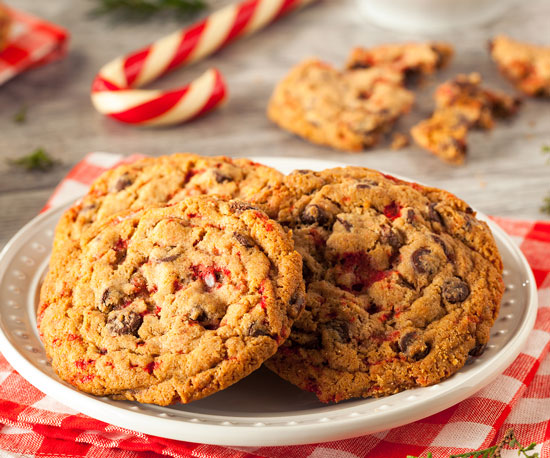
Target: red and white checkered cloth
(36, 425)
(31, 42)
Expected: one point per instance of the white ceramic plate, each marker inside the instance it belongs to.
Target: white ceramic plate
(262, 409)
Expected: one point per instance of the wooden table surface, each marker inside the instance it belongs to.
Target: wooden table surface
(506, 173)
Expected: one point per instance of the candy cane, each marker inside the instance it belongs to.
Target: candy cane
(113, 92)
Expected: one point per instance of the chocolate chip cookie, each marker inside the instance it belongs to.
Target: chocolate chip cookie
(403, 283)
(525, 64)
(348, 110)
(461, 104)
(171, 304)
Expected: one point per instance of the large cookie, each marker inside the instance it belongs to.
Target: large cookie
(347, 110)
(403, 283)
(171, 304)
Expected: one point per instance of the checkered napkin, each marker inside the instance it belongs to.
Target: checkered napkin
(31, 42)
(36, 425)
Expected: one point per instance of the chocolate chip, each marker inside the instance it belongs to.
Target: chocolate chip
(406, 340)
(421, 261)
(340, 329)
(404, 282)
(120, 256)
(111, 299)
(433, 214)
(197, 314)
(358, 65)
(221, 178)
(469, 223)
(169, 258)
(121, 183)
(372, 308)
(412, 76)
(238, 206)
(366, 184)
(444, 247)
(454, 144)
(124, 323)
(347, 225)
(414, 349)
(244, 240)
(202, 317)
(455, 290)
(469, 210)
(478, 350)
(410, 216)
(314, 214)
(421, 353)
(258, 329)
(390, 237)
(503, 108)
(302, 171)
(297, 302)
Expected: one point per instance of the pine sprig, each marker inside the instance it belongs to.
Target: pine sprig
(20, 117)
(494, 451)
(39, 160)
(143, 9)
(545, 207)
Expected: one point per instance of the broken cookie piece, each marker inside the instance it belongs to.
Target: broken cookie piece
(461, 104)
(347, 110)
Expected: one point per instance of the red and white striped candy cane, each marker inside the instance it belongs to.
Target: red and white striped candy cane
(113, 92)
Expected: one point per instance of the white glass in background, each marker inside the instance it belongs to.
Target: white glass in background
(432, 16)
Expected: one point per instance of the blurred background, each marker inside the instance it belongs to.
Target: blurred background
(507, 172)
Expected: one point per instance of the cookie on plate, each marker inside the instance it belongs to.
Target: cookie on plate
(525, 64)
(461, 104)
(171, 304)
(347, 110)
(157, 181)
(161, 180)
(412, 59)
(5, 23)
(403, 283)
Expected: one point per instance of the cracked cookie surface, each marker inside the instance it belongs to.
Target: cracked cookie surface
(347, 110)
(171, 304)
(163, 180)
(403, 283)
